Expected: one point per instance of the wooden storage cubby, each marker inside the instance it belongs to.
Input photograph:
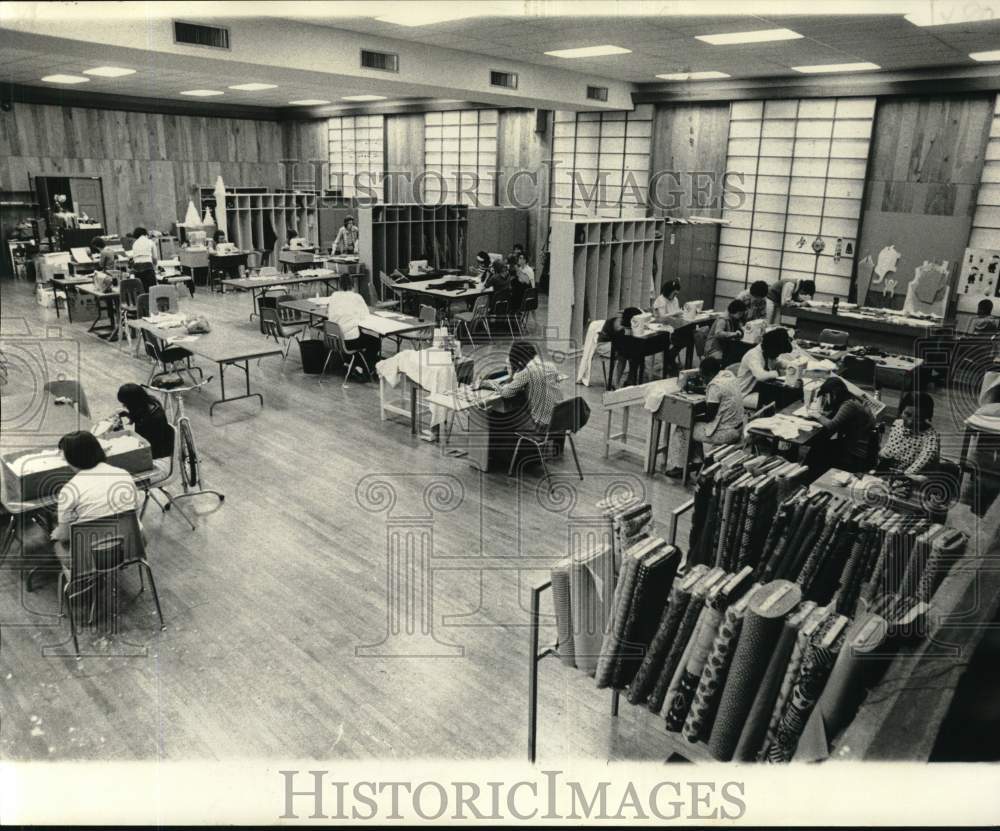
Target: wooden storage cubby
(599, 267)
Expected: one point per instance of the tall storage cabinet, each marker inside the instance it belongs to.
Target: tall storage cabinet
(601, 266)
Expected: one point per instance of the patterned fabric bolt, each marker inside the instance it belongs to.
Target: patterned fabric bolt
(619, 612)
(678, 706)
(652, 663)
(564, 617)
(591, 578)
(673, 659)
(706, 698)
(762, 626)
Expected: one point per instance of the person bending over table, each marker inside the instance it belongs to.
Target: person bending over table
(983, 323)
(617, 331)
(726, 331)
(763, 363)
(97, 489)
(346, 241)
(912, 445)
(143, 256)
(788, 292)
(759, 305)
(347, 309)
(723, 421)
(147, 417)
(852, 439)
(667, 303)
(106, 259)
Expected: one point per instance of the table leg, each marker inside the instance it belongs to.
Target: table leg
(413, 410)
(653, 449)
(607, 435)
(245, 367)
(963, 457)
(686, 456)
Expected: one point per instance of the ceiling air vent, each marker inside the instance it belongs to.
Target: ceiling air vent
(503, 79)
(386, 61)
(197, 34)
(597, 93)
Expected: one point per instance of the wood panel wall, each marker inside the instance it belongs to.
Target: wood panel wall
(688, 159)
(148, 162)
(926, 161)
(404, 156)
(521, 148)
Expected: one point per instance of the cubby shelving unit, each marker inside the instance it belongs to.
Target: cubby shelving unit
(601, 266)
(258, 220)
(447, 236)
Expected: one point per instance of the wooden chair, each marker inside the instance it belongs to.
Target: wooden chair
(99, 549)
(334, 337)
(128, 307)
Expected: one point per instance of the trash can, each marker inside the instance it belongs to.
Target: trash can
(313, 354)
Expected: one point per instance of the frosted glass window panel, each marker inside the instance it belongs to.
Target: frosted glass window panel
(772, 184)
(744, 129)
(817, 108)
(844, 188)
(733, 254)
(781, 128)
(814, 129)
(452, 117)
(802, 186)
(742, 110)
(776, 147)
(743, 147)
(768, 221)
(775, 167)
(734, 236)
(767, 239)
(849, 128)
(611, 128)
(771, 203)
(812, 148)
(843, 208)
(781, 108)
(849, 149)
(745, 164)
(856, 108)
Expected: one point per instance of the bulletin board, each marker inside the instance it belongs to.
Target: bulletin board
(979, 278)
(917, 237)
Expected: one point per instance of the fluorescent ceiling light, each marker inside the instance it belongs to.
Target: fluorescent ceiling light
(309, 102)
(760, 36)
(993, 55)
(418, 14)
(202, 93)
(946, 12)
(706, 75)
(589, 51)
(65, 79)
(253, 87)
(817, 69)
(363, 98)
(109, 71)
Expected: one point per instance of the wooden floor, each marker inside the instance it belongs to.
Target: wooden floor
(277, 605)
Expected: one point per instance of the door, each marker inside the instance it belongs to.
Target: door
(88, 198)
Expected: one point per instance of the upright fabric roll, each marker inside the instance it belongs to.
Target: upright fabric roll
(762, 626)
(564, 614)
(945, 551)
(653, 579)
(622, 599)
(591, 578)
(678, 705)
(850, 582)
(681, 639)
(818, 658)
(758, 719)
(857, 664)
(652, 663)
(831, 568)
(698, 723)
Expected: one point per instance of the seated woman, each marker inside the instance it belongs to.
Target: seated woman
(348, 309)
(217, 238)
(107, 261)
(759, 305)
(912, 445)
(97, 490)
(667, 303)
(725, 332)
(498, 278)
(522, 278)
(723, 421)
(148, 419)
(762, 364)
(617, 331)
(852, 431)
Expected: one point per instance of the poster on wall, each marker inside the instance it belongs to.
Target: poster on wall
(979, 278)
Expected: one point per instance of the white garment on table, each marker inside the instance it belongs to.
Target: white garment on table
(432, 369)
(347, 309)
(589, 351)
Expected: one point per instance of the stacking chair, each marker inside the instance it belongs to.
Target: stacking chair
(529, 305)
(165, 472)
(277, 324)
(72, 390)
(166, 359)
(99, 549)
(834, 337)
(480, 315)
(163, 293)
(501, 313)
(424, 337)
(568, 417)
(753, 442)
(254, 262)
(128, 307)
(388, 286)
(334, 337)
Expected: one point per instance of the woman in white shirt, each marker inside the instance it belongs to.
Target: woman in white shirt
(143, 257)
(98, 490)
(761, 364)
(347, 309)
(668, 303)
